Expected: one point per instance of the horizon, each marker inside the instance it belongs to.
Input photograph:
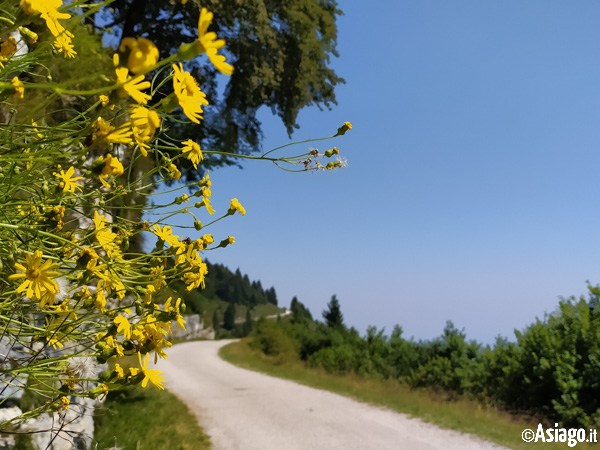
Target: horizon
(468, 194)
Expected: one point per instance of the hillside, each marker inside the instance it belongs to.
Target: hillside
(227, 299)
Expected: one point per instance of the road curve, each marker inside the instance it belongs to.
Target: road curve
(245, 410)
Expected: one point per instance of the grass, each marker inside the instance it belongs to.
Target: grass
(147, 419)
(462, 415)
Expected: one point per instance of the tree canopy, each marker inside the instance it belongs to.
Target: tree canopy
(280, 50)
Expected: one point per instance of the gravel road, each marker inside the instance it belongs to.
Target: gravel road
(245, 410)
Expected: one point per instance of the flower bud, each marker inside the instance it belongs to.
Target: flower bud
(106, 375)
(342, 130)
(29, 35)
(189, 51)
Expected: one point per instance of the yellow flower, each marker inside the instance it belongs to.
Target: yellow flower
(175, 309)
(143, 54)
(174, 172)
(100, 301)
(165, 234)
(195, 154)
(38, 276)
(123, 325)
(101, 390)
(205, 181)
(68, 181)
(150, 289)
(119, 371)
(49, 12)
(131, 86)
(157, 277)
(345, 127)
(112, 166)
(208, 206)
(194, 278)
(64, 403)
(109, 282)
(236, 206)
(106, 238)
(64, 44)
(99, 221)
(7, 49)
(146, 120)
(154, 376)
(19, 88)
(144, 123)
(210, 45)
(188, 93)
(104, 99)
(231, 239)
(105, 131)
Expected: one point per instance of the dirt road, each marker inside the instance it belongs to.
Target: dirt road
(244, 410)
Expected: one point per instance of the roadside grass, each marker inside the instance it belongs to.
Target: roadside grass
(462, 415)
(146, 419)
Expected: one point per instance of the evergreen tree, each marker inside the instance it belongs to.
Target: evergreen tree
(215, 321)
(333, 314)
(247, 323)
(271, 296)
(300, 313)
(229, 317)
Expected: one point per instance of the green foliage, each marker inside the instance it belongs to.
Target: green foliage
(300, 313)
(449, 363)
(281, 52)
(553, 368)
(273, 340)
(558, 370)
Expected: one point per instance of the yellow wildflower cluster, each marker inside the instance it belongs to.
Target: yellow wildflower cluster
(74, 179)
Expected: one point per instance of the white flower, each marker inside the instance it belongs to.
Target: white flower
(81, 367)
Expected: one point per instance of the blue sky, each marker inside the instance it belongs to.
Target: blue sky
(471, 190)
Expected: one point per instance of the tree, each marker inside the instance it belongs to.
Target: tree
(247, 328)
(229, 317)
(300, 313)
(271, 295)
(280, 50)
(215, 321)
(333, 314)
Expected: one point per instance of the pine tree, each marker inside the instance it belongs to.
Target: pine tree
(248, 323)
(333, 314)
(229, 317)
(215, 321)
